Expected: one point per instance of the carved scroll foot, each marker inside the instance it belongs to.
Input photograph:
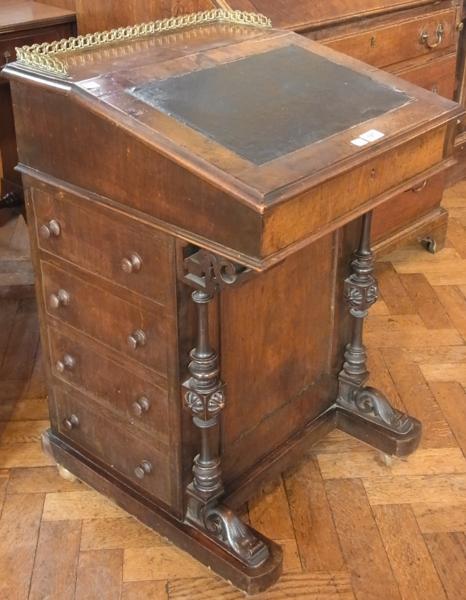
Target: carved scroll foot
(367, 414)
(224, 527)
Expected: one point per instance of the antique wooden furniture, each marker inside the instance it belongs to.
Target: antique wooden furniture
(459, 171)
(20, 23)
(415, 39)
(195, 196)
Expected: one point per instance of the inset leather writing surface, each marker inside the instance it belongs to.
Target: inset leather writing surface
(267, 105)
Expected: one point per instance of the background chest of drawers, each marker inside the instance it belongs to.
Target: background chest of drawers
(23, 23)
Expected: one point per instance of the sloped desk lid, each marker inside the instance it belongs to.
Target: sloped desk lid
(263, 115)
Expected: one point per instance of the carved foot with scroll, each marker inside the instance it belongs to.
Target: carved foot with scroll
(254, 556)
(363, 411)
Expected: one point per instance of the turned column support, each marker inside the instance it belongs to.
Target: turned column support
(364, 411)
(205, 397)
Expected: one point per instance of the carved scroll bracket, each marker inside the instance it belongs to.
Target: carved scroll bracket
(211, 273)
(205, 397)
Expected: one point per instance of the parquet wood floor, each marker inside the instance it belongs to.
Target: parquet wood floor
(351, 526)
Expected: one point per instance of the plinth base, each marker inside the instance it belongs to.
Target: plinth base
(194, 540)
(184, 535)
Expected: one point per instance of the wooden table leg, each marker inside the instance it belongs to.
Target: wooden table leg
(205, 397)
(363, 411)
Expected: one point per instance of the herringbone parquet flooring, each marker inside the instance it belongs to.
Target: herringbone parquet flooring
(351, 526)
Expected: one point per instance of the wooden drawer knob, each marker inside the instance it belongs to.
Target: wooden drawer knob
(137, 339)
(145, 468)
(72, 422)
(425, 38)
(61, 298)
(141, 406)
(68, 362)
(131, 264)
(50, 230)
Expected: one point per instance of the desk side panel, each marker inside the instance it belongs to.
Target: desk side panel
(63, 138)
(282, 336)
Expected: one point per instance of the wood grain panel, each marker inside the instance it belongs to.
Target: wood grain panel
(398, 41)
(421, 581)
(99, 15)
(55, 565)
(99, 575)
(99, 239)
(19, 530)
(107, 318)
(371, 578)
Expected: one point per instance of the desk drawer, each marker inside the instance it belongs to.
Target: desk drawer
(138, 401)
(132, 329)
(106, 440)
(9, 42)
(100, 240)
(400, 41)
(407, 208)
(438, 76)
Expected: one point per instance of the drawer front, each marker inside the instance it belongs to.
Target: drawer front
(109, 442)
(407, 208)
(400, 41)
(438, 76)
(100, 240)
(309, 213)
(9, 42)
(136, 332)
(139, 402)
(298, 14)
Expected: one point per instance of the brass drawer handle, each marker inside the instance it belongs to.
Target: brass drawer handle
(141, 406)
(137, 339)
(68, 362)
(71, 422)
(145, 468)
(50, 230)
(131, 264)
(61, 298)
(440, 33)
(420, 187)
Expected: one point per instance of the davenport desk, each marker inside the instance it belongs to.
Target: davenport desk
(200, 193)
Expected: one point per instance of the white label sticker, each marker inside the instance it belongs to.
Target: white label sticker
(372, 135)
(359, 142)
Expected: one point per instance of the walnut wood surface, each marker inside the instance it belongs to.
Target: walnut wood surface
(307, 511)
(19, 16)
(280, 335)
(301, 14)
(271, 197)
(101, 14)
(20, 23)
